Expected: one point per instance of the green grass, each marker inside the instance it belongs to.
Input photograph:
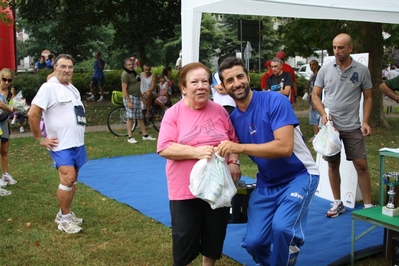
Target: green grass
(113, 233)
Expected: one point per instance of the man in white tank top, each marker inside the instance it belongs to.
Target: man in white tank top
(147, 87)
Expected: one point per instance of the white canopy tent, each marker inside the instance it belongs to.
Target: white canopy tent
(386, 11)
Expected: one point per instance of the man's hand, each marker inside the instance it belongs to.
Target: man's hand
(227, 147)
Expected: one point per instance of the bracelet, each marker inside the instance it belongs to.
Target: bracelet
(40, 140)
(237, 162)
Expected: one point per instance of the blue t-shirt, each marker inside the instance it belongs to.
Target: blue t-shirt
(40, 65)
(267, 112)
(98, 72)
(49, 64)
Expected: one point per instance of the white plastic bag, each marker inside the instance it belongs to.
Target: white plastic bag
(305, 97)
(19, 104)
(211, 181)
(327, 141)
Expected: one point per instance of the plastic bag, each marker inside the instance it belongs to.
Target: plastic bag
(19, 104)
(305, 97)
(327, 141)
(211, 181)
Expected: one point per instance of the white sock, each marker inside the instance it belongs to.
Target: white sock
(64, 216)
(368, 206)
(337, 201)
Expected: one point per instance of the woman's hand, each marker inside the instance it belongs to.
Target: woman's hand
(203, 152)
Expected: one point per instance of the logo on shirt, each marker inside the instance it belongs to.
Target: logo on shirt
(252, 129)
(354, 80)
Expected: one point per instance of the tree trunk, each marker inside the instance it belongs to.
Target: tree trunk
(372, 43)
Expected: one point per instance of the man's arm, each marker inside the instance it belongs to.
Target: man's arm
(100, 64)
(281, 147)
(153, 84)
(34, 116)
(317, 104)
(367, 106)
(389, 92)
(219, 88)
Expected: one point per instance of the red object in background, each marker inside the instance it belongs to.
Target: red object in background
(7, 45)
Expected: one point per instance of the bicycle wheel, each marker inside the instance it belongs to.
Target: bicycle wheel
(156, 117)
(116, 121)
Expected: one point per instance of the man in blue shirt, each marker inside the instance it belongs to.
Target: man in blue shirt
(97, 78)
(41, 64)
(287, 177)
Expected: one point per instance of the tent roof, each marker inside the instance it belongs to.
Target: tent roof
(386, 11)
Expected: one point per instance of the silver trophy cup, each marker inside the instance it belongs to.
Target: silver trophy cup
(391, 179)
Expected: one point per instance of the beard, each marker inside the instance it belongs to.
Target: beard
(242, 94)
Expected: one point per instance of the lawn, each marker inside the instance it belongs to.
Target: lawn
(113, 233)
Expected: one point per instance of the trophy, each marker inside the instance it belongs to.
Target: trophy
(391, 179)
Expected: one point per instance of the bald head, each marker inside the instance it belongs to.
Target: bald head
(342, 47)
(343, 38)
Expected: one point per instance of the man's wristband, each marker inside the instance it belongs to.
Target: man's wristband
(237, 162)
(40, 140)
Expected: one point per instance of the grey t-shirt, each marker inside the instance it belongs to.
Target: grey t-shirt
(343, 91)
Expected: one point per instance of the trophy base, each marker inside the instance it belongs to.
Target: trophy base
(390, 212)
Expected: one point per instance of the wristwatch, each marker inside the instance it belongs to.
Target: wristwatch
(237, 162)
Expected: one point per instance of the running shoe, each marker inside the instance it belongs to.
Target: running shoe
(76, 220)
(335, 210)
(69, 226)
(8, 178)
(4, 192)
(3, 183)
(132, 141)
(149, 138)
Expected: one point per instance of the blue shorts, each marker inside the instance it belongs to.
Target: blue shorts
(97, 81)
(75, 157)
(314, 116)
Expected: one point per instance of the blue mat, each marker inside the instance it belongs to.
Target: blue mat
(140, 182)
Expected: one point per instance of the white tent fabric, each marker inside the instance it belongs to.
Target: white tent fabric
(386, 11)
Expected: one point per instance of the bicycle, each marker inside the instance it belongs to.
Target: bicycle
(116, 120)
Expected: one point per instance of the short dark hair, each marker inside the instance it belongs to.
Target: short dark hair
(230, 62)
(64, 56)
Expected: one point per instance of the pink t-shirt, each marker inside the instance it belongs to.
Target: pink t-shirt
(181, 124)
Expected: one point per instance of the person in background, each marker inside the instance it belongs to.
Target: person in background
(147, 88)
(167, 72)
(50, 61)
(389, 87)
(41, 64)
(220, 95)
(279, 81)
(64, 116)
(268, 132)
(7, 76)
(162, 95)
(136, 62)
(394, 72)
(179, 61)
(190, 130)
(314, 116)
(263, 80)
(385, 71)
(132, 101)
(344, 81)
(288, 68)
(98, 78)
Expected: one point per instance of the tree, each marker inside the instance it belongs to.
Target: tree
(303, 36)
(137, 24)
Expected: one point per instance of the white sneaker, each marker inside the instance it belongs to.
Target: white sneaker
(149, 138)
(4, 192)
(21, 130)
(76, 220)
(13, 121)
(69, 226)
(3, 183)
(101, 99)
(132, 141)
(8, 178)
(91, 98)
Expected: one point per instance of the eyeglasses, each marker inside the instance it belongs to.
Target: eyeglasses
(5, 80)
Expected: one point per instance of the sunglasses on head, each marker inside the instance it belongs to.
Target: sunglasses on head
(4, 80)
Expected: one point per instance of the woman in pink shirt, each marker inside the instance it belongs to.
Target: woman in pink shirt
(190, 130)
